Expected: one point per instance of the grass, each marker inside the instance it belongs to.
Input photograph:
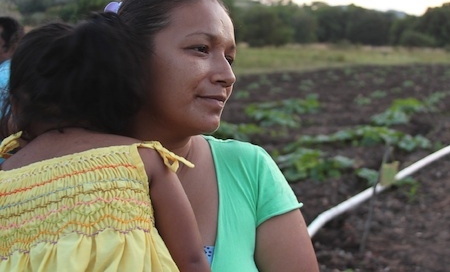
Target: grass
(311, 57)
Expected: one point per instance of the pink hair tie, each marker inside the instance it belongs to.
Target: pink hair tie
(112, 7)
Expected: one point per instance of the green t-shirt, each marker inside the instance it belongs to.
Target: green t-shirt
(252, 189)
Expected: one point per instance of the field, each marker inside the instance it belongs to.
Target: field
(316, 56)
(353, 115)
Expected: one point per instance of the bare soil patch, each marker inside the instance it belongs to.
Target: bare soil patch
(410, 229)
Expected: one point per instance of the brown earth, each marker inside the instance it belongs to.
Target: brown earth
(410, 227)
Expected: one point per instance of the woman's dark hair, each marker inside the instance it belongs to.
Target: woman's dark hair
(149, 17)
(87, 75)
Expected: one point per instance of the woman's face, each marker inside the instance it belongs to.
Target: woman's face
(189, 76)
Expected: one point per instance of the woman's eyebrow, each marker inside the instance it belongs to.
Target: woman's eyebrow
(211, 37)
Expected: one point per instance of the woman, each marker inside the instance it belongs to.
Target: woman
(79, 196)
(247, 214)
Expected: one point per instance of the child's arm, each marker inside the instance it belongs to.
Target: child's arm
(174, 217)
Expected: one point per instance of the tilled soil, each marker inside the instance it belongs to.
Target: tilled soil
(410, 225)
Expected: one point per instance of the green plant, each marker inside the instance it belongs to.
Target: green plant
(399, 112)
(282, 113)
(242, 94)
(378, 94)
(369, 175)
(275, 89)
(271, 117)
(361, 100)
(309, 163)
(412, 186)
(253, 86)
(396, 90)
(408, 83)
(364, 136)
(286, 77)
(435, 98)
(306, 85)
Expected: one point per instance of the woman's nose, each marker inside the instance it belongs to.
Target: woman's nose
(223, 73)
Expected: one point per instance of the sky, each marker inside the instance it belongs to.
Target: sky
(412, 7)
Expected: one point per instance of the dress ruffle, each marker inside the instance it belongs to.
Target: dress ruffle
(171, 160)
(9, 144)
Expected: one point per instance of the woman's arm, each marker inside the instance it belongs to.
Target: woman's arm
(174, 217)
(283, 244)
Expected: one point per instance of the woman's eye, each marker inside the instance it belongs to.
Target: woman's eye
(230, 60)
(203, 49)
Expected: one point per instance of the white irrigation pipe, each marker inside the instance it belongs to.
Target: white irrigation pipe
(352, 202)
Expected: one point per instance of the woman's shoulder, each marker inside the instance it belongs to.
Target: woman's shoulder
(236, 148)
(227, 142)
(230, 143)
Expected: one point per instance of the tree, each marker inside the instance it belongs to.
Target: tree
(331, 23)
(368, 26)
(77, 9)
(262, 26)
(300, 19)
(27, 7)
(401, 25)
(436, 23)
(305, 26)
(411, 38)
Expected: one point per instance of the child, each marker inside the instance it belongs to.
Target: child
(78, 196)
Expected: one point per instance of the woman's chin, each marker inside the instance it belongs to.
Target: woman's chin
(210, 127)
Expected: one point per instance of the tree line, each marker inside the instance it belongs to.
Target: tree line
(280, 22)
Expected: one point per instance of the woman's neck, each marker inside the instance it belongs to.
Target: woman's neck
(181, 147)
(170, 139)
(41, 129)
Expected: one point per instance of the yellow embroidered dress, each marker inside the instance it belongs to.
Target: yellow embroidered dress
(88, 211)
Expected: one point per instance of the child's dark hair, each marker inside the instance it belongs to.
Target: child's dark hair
(86, 76)
(12, 32)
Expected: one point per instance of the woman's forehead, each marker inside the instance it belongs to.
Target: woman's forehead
(204, 16)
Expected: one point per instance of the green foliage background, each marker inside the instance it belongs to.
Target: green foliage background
(281, 22)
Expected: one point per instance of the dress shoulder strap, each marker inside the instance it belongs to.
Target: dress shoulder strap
(170, 159)
(9, 144)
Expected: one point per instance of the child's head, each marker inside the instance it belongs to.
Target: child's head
(10, 34)
(85, 75)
